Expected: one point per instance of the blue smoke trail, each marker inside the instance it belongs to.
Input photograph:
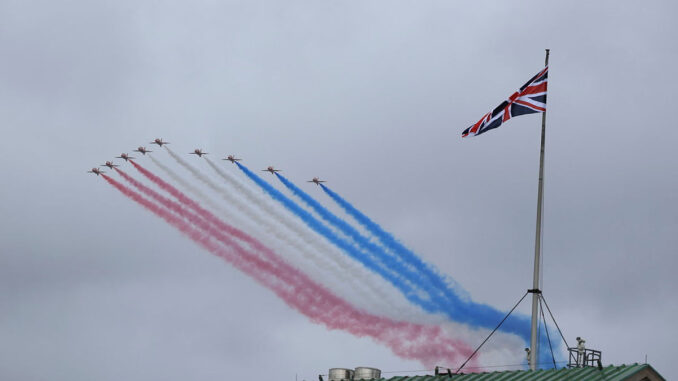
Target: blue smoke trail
(464, 311)
(428, 271)
(451, 304)
(344, 245)
(474, 314)
(385, 258)
(390, 242)
(480, 314)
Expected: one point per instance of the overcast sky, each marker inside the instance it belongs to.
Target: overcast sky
(369, 95)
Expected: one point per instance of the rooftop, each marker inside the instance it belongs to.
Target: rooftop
(633, 372)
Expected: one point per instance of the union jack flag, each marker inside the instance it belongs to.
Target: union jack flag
(530, 99)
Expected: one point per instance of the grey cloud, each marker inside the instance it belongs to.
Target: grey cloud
(369, 95)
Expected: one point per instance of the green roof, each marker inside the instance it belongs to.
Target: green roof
(609, 373)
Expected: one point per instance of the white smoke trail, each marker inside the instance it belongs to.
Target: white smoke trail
(501, 349)
(189, 187)
(213, 205)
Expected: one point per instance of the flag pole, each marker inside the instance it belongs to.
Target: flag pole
(536, 292)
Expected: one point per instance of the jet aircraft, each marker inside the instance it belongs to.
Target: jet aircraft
(96, 171)
(198, 152)
(159, 142)
(316, 180)
(124, 156)
(142, 150)
(231, 158)
(109, 164)
(272, 170)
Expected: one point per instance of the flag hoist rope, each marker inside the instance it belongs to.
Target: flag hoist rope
(534, 345)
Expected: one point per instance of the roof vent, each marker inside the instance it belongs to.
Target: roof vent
(338, 374)
(365, 373)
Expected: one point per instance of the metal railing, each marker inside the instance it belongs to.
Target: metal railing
(580, 358)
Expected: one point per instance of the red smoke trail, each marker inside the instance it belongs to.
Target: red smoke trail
(427, 344)
(278, 268)
(206, 214)
(222, 235)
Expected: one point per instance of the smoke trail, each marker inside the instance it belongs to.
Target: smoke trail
(424, 343)
(478, 314)
(384, 257)
(316, 251)
(229, 197)
(374, 303)
(386, 239)
(391, 243)
(473, 313)
(186, 185)
(240, 187)
(204, 220)
(378, 299)
(290, 225)
(408, 291)
(459, 309)
(206, 215)
(263, 222)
